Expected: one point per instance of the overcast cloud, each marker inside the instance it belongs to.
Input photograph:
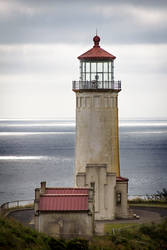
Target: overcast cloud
(29, 21)
(40, 41)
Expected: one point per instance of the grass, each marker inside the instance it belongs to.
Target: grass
(110, 228)
(13, 235)
(136, 237)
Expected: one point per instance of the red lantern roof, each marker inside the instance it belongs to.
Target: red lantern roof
(96, 53)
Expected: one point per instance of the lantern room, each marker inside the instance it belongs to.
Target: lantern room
(97, 70)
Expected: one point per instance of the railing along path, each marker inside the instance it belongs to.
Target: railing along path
(15, 204)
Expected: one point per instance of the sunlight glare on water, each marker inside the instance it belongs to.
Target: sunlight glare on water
(33, 151)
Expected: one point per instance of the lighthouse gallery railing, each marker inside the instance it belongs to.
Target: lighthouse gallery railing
(110, 85)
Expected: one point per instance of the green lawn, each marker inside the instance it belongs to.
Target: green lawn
(110, 228)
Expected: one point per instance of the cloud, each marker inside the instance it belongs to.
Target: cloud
(36, 80)
(42, 21)
(40, 41)
(38, 58)
(61, 59)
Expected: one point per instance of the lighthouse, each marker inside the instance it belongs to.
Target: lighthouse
(100, 192)
(97, 162)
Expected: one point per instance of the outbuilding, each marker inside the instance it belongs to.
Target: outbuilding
(64, 212)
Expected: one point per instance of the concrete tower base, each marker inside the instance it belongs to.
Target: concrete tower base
(110, 191)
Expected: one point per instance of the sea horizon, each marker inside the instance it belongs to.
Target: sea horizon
(35, 150)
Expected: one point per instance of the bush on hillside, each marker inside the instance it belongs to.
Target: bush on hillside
(13, 235)
(158, 197)
(77, 244)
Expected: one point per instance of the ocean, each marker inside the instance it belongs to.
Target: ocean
(32, 151)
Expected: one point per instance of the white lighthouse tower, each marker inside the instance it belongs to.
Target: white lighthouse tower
(97, 143)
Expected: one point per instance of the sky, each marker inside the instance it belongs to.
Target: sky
(41, 39)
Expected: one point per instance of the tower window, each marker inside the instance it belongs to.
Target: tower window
(92, 185)
(118, 198)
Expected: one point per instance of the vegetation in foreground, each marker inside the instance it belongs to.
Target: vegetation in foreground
(150, 236)
(13, 235)
(111, 228)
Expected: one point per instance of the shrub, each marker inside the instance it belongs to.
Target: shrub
(153, 236)
(55, 244)
(158, 197)
(77, 244)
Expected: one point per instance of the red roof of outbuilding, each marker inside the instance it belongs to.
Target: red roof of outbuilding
(96, 52)
(121, 179)
(64, 199)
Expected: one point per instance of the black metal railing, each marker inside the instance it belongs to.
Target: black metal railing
(88, 85)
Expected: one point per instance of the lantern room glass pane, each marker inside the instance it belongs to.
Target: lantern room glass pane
(100, 77)
(93, 67)
(99, 67)
(100, 71)
(84, 67)
(106, 77)
(109, 66)
(81, 67)
(84, 76)
(87, 76)
(105, 66)
(87, 66)
(93, 78)
(112, 70)
(81, 70)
